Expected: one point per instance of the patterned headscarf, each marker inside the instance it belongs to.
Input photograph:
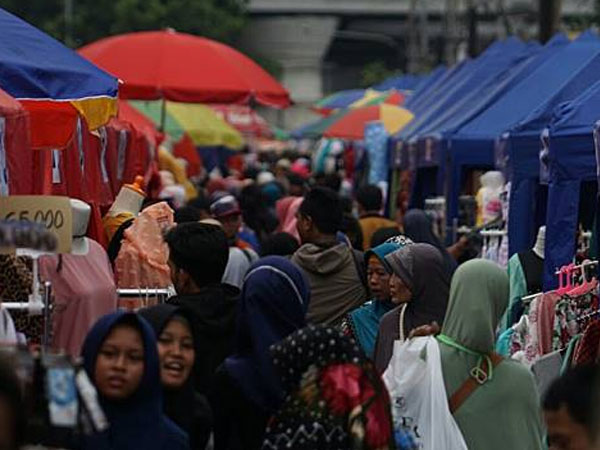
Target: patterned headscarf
(335, 399)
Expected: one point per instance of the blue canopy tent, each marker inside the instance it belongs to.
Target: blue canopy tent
(577, 69)
(523, 111)
(432, 145)
(487, 70)
(571, 160)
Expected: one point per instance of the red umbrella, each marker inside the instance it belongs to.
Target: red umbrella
(184, 68)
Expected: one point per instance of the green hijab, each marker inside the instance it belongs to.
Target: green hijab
(504, 412)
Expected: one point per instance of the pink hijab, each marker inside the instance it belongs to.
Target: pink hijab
(286, 209)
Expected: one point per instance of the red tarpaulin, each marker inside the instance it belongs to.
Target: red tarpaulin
(17, 177)
(184, 68)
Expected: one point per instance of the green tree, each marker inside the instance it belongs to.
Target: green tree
(375, 72)
(94, 19)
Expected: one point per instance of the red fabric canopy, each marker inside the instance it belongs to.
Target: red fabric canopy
(183, 68)
(17, 151)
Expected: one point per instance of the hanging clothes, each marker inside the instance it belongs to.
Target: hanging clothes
(142, 259)
(84, 290)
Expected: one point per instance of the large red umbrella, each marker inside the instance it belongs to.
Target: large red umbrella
(184, 68)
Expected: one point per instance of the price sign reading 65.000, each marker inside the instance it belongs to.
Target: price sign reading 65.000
(52, 211)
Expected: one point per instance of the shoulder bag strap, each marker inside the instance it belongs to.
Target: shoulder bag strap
(470, 386)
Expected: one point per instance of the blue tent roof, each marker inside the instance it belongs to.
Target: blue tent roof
(537, 94)
(491, 65)
(427, 83)
(571, 158)
(418, 103)
(35, 66)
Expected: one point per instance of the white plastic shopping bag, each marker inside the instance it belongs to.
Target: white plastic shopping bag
(419, 402)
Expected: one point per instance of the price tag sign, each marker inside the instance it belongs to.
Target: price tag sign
(53, 212)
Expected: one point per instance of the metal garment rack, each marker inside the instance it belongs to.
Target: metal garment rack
(162, 294)
(580, 267)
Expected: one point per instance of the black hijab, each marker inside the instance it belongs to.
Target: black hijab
(418, 227)
(422, 269)
(184, 406)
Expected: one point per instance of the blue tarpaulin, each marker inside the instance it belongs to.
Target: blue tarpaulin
(571, 160)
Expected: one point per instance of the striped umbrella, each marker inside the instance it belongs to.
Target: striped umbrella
(198, 121)
(350, 123)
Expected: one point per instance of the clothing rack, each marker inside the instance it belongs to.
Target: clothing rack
(581, 267)
(161, 294)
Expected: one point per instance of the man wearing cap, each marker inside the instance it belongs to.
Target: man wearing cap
(227, 211)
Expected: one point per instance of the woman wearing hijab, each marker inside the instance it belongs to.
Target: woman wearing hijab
(273, 305)
(362, 324)
(502, 411)
(176, 350)
(418, 227)
(419, 285)
(334, 397)
(120, 357)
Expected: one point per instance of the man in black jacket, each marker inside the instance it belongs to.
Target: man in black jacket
(198, 255)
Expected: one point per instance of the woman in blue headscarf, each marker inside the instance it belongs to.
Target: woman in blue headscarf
(121, 359)
(362, 324)
(273, 305)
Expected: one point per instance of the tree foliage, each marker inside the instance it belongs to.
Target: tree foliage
(94, 19)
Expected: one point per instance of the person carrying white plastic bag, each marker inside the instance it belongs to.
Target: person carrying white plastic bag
(493, 401)
(419, 402)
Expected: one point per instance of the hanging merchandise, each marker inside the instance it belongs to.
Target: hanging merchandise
(419, 400)
(60, 402)
(376, 143)
(489, 205)
(556, 329)
(142, 260)
(83, 284)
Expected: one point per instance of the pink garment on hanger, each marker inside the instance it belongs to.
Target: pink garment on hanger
(545, 324)
(84, 290)
(142, 260)
(286, 213)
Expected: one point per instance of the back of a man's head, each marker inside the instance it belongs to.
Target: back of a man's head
(324, 208)
(186, 214)
(199, 249)
(569, 407)
(369, 198)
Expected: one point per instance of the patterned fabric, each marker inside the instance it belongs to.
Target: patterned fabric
(587, 351)
(15, 286)
(335, 399)
(532, 350)
(566, 325)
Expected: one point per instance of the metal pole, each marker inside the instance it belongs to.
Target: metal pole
(163, 115)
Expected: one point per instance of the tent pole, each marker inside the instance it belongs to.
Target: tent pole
(163, 115)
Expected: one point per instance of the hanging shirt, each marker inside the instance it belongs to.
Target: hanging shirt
(84, 290)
